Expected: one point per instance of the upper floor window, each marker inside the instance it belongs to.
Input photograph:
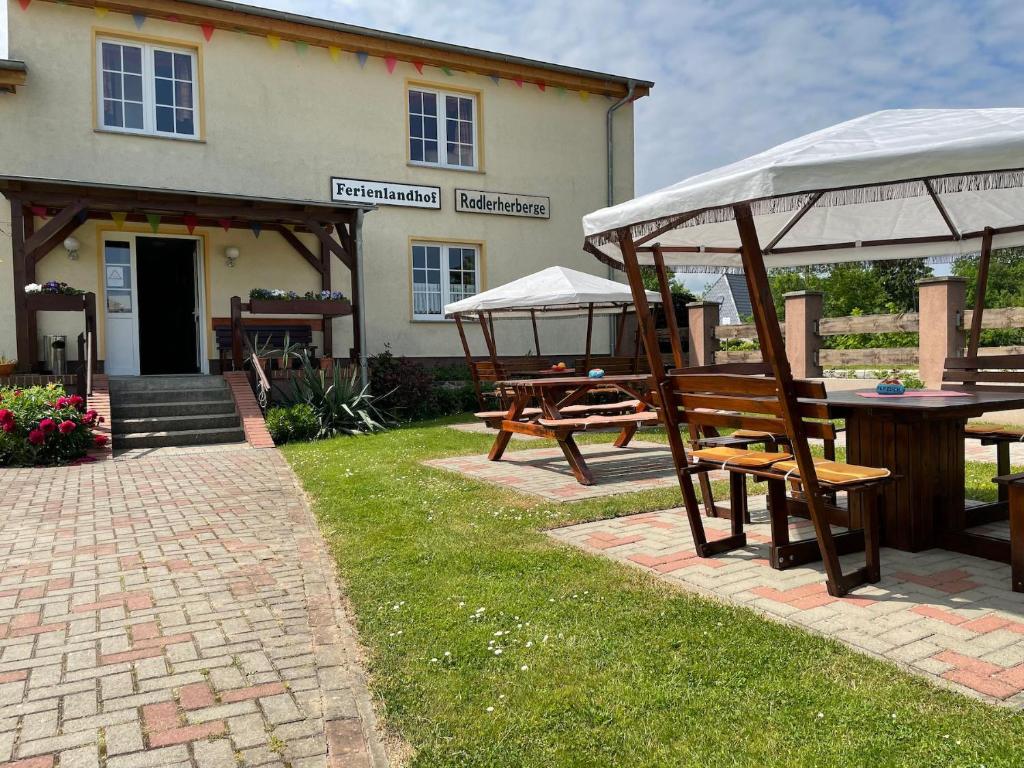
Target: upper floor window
(147, 88)
(441, 274)
(442, 129)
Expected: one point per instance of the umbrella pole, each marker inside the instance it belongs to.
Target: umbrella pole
(536, 336)
(668, 412)
(774, 351)
(979, 292)
(668, 307)
(590, 332)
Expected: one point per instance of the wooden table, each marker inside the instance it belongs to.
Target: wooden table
(553, 394)
(921, 439)
(542, 373)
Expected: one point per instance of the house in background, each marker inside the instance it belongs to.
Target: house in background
(168, 155)
(730, 291)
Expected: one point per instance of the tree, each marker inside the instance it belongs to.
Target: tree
(898, 279)
(1005, 277)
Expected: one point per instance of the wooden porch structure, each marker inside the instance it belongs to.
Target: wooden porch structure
(67, 205)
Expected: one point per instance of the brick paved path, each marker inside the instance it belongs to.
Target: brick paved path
(949, 617)
(173, 610)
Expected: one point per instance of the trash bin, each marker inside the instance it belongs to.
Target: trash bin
(55, 353)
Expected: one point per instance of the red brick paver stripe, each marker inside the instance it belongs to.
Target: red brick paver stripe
(187, 733)
(253, 423)
(41, 761)
(252, 692)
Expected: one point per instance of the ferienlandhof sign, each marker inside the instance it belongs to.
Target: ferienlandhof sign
(384, 193)
(502, 203)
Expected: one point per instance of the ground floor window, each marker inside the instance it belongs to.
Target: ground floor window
(442, 273)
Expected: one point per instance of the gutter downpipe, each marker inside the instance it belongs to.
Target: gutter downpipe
(364, 377)
(609, 133)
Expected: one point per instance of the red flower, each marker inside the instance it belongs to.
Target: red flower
(67, 427)
(36, 437)
(77, 401)
(61, 402)
(47, 425)
(6, 416)
(98, 440)
(89, 417)
(7, 426)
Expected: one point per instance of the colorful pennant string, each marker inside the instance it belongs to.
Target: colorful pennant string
(191, 222)
(119, 218)
(100, 11)
(518, 81)
(362, 56)
(335, 52)
(542, 86)
(154, 221)
(390, 63)
(173, 17)
(419, 66)
(207, 31)
(24, 4)
(447, 71)
(561, 90)
(139, 19)
(301, 47)
(274, 41)
(495, 79)
(225, 224)
(584, 95)
(38, 211)
(256, 228)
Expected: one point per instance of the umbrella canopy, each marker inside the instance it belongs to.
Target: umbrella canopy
(889, 185)
(555, 290)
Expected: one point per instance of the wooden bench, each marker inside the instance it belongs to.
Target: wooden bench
(1014, 554)
(272, 335)
(994, 373)
(612, 364)
(714, 401)
(488, 372)
(494, 418)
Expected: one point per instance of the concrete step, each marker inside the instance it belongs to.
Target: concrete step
(203, 394)
(175, 423)
(122, 410)
(189, 437)
(120, 384)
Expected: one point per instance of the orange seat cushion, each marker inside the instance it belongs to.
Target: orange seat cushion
(836, 472)
(756, 435)
(738, 457)
(499, 414)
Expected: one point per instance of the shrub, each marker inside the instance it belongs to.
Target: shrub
(291, 424)
(405, 385)
(339, 404)
(43, 426)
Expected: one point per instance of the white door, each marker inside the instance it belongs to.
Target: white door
(122, 327)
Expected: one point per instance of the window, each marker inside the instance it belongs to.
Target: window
(442, 129)
(442, 274)
(147, 89)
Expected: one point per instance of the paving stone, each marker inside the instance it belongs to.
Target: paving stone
(214, 754)
(126, 737)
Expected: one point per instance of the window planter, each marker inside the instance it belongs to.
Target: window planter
(325, 307)
(55, 302)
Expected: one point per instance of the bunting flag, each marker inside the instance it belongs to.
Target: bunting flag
(362, 56)
(495, 79)
(561, 90)
(518, 81)
(39, 211)
(274, 41)
(447, 71)
(207, 31)
(154, 221)
(100, 11)
(191, 222)
(584, 95)
(139, 19)
(24, 4)
(335, 52)
(419, 66)
(390, 62)
(119, 218)
(301, 47)
(225, 224)
(256, 228)
(542, 86)
(173, 17)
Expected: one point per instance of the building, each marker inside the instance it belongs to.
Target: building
(193, 150)
(730, 291)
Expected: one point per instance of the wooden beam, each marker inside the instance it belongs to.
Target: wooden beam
(674, 223)
(56, 239)
(645, 321)
(590, 332)
(300, 247)
(488, 340)
(793, 221)
(620, 334)
(669, 308)
(52, 227)
(979, 293)
(21, 324)
(329, 242)
(357, 305)
(942, 210)
(536, 336)
(325, 284)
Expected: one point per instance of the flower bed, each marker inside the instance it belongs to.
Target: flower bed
(53, 287)
(264, 301)
(43, 426)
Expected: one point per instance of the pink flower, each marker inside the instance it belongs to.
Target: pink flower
(61, 402)
(7, 426)
(98, 440)
(36, 437)
(47, 425)
(89, 417)
(77, 401)
(67, 427)
(6, 416)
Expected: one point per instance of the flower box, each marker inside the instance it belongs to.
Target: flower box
(55, 302)
(326, 307)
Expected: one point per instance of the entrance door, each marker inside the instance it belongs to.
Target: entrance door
(168, 307)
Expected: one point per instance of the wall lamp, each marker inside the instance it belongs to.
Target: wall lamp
(71, 245)
(231, 254)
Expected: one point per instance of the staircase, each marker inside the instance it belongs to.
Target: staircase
(161, 411)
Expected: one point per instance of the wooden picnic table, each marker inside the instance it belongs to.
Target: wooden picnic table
(542, 373)
(921, 440)
(556, 393)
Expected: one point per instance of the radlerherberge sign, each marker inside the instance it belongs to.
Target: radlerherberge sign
(502, 203)
(384, 193)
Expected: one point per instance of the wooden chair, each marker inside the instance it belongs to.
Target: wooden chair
(612, 364)
(488, 372)
(713, 401)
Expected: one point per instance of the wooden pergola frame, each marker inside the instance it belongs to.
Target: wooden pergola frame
(68, 205)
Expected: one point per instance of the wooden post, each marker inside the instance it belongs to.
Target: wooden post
(469, 362)
(536, 336)
(942, 302)
(357, 304)
(979, 292)
(668, 308)
(703, 316)
(30, 277)
(488, 338)
(620, 334)
(325, 284)
(803, 311)
(236, 333)
(90, 334)
(21, 311)
(774, 352)
(590, 334)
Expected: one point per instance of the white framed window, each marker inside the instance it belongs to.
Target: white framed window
(442, 273)
(147, 88)
(442, 129)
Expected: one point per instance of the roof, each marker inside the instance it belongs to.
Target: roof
(736, 286)
(12, 74)
(892, 184)
(252, 19)
(555, 290)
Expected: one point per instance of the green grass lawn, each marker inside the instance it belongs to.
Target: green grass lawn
(491, 645)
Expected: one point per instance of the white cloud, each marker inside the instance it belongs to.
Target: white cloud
(733, 77)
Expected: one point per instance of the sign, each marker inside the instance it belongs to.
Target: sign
(115, 276)
(384, 193)
(502, 203)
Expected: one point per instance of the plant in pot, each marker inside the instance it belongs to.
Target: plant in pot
(7, 366)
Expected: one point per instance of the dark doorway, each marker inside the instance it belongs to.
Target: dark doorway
(167, 305)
